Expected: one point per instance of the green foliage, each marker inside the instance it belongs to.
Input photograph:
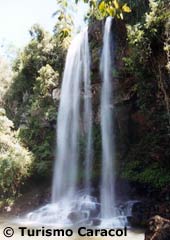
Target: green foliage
(41, 113)
(29, 100)
(138, 9)
(64, 26)
(113, 9)
(46, 81)
(152, 175)
(15, 160)
(41, 52)
(142, 35)
(146, 43)
(147, 161)
(103, 8)
(5, 79)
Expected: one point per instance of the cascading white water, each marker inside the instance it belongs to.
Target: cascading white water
(108, 171)
(87, 114)
(69, 206)
(76, 76)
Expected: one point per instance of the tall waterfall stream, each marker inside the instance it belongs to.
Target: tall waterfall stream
(70, 205)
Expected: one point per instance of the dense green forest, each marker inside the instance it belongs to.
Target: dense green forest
(30, 92)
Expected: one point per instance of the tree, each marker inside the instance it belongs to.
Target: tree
(103, 8)
(64, 26)
(5, 78)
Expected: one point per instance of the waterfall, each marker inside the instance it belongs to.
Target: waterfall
(87, 114)
(69, 205)
(108, 171)
(76, 80)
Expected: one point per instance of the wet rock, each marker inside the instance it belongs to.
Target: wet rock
(75, 216)
(140, 214)
(158, 228)
(96, 221)
(142, 211)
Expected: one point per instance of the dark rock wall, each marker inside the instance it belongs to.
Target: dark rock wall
(132, 126)
(123, 99)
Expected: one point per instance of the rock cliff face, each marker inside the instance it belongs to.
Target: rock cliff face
(158, 229)
(140, 138)
(124, 98)
(119, 48)
(142, 211)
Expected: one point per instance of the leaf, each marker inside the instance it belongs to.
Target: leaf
(125, 8)
(121, 16)
(116, 4)
(92, 3)
(102, 6)
(111, 11)
(61, 17)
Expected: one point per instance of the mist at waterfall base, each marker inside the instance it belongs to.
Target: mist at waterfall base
(71, 206)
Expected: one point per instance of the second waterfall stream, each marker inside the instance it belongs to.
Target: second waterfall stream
(108, 170)
(73, 204)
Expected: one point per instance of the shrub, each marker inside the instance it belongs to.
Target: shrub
(15, 160)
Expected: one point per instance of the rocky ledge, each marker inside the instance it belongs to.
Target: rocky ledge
(158, 228)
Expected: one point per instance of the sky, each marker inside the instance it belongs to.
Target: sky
(17, 17)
